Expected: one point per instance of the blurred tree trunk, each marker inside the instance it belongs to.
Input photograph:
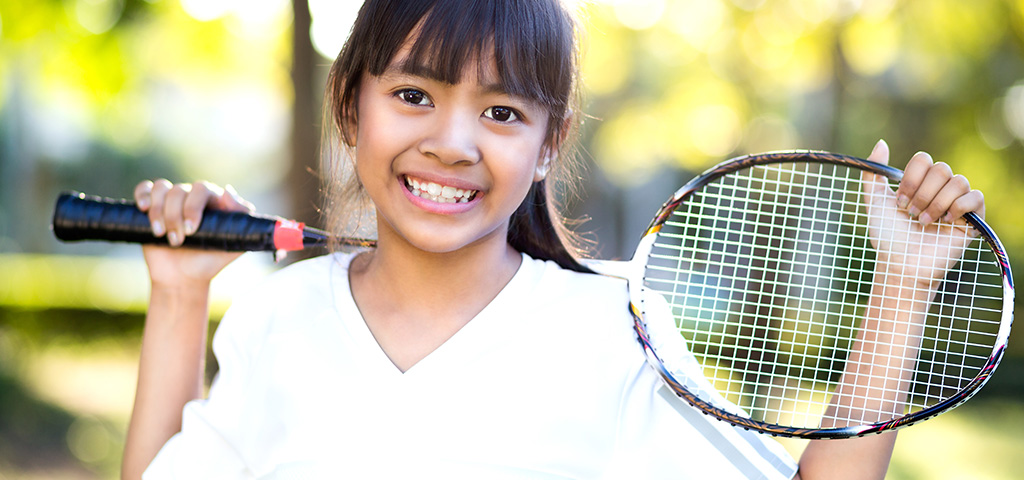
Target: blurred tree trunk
(302, 183)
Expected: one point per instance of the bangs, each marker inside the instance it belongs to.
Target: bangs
(531, 42)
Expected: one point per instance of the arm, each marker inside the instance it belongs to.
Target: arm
(873, 386)
(170, 372)
(174, 337)
(879, 370)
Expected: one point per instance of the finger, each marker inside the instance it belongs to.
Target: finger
(934, 181)
(972, 201)
(157, 196)
(877, 184)
(141, 194)
(202, 195)
(953, 188)
(880, 153)
(174, 206)
(234, 201)
(913, 175)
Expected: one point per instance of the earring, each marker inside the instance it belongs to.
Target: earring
(542, 169)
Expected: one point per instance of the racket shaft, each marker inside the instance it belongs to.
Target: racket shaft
(81, 217)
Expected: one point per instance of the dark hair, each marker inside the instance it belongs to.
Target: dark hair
(535, 52)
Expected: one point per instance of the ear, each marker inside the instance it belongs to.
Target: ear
(350, 128)
(543, 166)
(550, 152)
(349, 118)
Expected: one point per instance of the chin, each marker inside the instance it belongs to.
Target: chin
(449, 244)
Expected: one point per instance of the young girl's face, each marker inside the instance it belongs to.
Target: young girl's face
(446, 165)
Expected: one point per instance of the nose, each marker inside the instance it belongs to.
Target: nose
(452, 138)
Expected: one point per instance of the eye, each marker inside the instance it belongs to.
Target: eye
(414, 97)
(502, 114)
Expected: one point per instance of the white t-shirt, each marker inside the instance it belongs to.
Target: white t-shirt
(547, 382)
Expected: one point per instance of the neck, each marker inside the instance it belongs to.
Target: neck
(414, 300)
(397, 280)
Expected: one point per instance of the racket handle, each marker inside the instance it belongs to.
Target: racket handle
(78, 216)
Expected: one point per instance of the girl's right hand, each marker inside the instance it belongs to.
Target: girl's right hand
(175, 211)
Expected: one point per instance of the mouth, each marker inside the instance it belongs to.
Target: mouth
(436, 192)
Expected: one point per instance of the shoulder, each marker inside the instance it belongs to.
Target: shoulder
(309, 277)
(311, 269)
(583, 304)
(556, 283)
(295, 291)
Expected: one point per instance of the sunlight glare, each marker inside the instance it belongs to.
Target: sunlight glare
(331, 23)
(206, 10)
(89, 440)
(631, 145)
(602, 66)
(256, 18)
(748, 5)
(698, 22)
(98, 16)
(639, 14)
(816, 11)
(870, 44)
(763, 53)
(770, 132)
(715, 129)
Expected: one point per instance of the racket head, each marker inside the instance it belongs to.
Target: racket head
(773, 340)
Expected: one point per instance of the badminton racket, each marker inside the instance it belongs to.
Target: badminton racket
(768, 265)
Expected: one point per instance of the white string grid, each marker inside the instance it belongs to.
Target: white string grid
(769, 272)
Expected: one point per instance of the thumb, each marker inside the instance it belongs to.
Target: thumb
(877, 184)
(880, 154)
(233, 201)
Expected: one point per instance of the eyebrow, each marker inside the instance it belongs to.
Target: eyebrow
(403, 69)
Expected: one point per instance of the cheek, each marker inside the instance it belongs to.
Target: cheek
(377, 142)
(520, 169)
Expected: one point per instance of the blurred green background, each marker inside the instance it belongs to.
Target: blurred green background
(98, 94)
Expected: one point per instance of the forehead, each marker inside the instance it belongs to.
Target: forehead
(444, 59)
(526, 46)
(480, 67)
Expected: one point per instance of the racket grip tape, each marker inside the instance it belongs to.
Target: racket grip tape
(78, 216)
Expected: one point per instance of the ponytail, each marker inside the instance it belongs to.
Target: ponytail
(533, 231)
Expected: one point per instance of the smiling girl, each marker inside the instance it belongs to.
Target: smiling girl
(470, 343)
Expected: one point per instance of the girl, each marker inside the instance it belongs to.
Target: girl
(470, 343)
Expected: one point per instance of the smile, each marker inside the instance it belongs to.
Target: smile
(437, 192)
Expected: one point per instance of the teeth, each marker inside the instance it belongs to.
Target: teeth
(438, 193)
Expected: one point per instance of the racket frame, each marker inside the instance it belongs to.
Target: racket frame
(637, 288)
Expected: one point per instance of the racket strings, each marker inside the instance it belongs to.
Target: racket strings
(769, 273)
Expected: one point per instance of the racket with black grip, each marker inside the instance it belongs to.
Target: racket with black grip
(78, 216)
(755, 293)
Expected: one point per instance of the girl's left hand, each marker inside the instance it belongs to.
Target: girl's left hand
(903, 223)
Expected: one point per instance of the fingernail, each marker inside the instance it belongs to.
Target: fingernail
(902, 201)
(143, 204)
(877, 146)
(234, 193)
(158, 228)
(230, 189)
(190, 227)
(925, 219)
(172, 239)
(913, 211)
